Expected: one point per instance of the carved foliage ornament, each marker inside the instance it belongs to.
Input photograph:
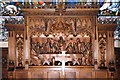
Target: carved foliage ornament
(19, 47)
(83, 24)
(37, 24)
(102, 37)
(69, 25)
(61, 26)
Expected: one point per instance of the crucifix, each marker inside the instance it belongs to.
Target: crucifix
(63, 58)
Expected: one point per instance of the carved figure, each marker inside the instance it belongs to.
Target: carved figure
(34, 58)
(83, 60)
(55, 47)
(61, 44)
(48, 45)
(75, 48)
(69, 48)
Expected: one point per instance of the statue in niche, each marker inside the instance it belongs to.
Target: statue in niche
(34, 58)
(83, 60)
(48, 45)
(55, 47)
(61, 44)
(52, 46)
(78, 45)
(69, 48)
(37, 47)
(43, 48)
(82, 48)
(75, 48)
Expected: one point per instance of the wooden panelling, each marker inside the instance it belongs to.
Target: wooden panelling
(85, 74)
(21, 74)
(72, 72)
(53, 74)
(101, 74)
(4, 57)
(37, 74)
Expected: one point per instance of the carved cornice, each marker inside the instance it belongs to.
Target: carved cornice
(107, 27)
(15, 27)
(78, 12)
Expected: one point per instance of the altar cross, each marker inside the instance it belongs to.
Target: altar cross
(63, 58)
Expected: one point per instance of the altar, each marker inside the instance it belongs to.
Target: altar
(60, 43)
(55, 72)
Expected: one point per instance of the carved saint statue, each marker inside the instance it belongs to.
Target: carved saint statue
(61, 44)
(69, 48)
(34, 58)
(83, 60)
(75, 48)
(48, 45)
(78, 44)
(55, 47)
(43, 48)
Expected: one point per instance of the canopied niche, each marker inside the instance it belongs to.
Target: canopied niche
(50, 36)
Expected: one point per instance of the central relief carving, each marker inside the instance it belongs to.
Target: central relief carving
(50, 37)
